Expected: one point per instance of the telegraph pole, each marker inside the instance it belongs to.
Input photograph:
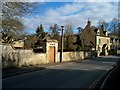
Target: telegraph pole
(61, 52)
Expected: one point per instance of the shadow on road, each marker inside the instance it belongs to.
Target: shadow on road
(9, 72)
(54, 78)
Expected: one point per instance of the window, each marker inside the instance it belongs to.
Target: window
(98, 32)
(98, 48)
(111, 40)
(83, 40)
(106, 33)
(116, 40)
(99, 41)
(108, 42)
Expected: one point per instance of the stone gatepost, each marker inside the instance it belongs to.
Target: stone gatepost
(51, 49)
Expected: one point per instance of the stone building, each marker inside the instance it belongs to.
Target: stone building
(97, 39)
(115, 42)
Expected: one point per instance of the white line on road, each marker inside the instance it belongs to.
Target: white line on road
(109, 62)
(60, 65)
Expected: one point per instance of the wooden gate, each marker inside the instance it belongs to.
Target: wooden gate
(52, 54)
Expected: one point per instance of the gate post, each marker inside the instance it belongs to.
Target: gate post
(51, 48)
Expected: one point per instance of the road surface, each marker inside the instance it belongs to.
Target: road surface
(65, 75)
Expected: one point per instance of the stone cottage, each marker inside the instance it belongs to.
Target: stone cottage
(97, 39)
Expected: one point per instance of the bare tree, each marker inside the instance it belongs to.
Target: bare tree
(54, 29)
(103, 25)
(119, 28)
(11, 16)
(115, 25)
(68, 28)
(69, 37)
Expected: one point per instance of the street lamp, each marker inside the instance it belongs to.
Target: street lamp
(61, 56)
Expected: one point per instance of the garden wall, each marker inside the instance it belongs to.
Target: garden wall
(20, 57)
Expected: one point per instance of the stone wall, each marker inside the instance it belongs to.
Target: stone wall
(28, 57)
(13, 58)
(88, 54)
(118, 52)
(20, 57)
(70, 56)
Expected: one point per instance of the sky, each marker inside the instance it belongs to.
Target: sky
(75, 12)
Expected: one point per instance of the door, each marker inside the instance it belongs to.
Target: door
(52, 54)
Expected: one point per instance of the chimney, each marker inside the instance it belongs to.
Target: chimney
(89, 23)
(102, 27)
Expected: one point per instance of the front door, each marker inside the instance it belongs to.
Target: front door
(52, 54)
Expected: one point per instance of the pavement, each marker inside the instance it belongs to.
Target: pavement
(10, 72)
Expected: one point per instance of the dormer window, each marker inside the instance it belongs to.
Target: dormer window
(98, 32)
(106, 33)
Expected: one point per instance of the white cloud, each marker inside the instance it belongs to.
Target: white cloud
(35, 0)
(77, 13)
(96, 0)
(61, 1)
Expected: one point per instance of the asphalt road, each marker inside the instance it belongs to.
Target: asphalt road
(64, 75)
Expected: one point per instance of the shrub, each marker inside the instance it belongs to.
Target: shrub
(112, 52)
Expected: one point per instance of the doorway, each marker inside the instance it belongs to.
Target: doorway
(52, 54)
(104, 49)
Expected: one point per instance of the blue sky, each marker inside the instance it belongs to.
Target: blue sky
(76, 13)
